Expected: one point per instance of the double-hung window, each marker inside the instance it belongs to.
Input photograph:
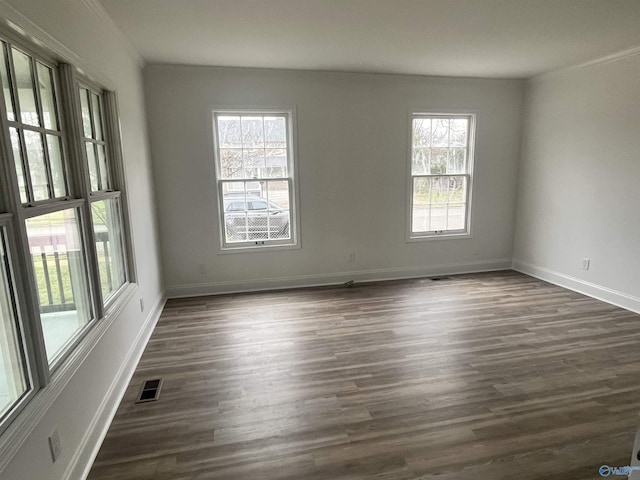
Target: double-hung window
(105, 199)
(63, 236)
(440, 175)
(254, 158)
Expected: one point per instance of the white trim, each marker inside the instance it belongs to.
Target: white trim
(26, 28)
(82, 460)
(614, 297)
(14, 21)
(19, 430)
(613, 57)
(299, 281)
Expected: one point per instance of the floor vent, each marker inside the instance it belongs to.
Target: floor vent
(439, 279)
(150, 391)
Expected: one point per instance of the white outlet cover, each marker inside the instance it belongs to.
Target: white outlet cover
(55, 445)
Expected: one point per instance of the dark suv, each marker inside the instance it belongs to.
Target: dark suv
(254, 218)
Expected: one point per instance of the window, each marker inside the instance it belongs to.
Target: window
(105, 201)
(441, 175)
(34, 127)
(63, 231)
(59, 267)
(14, 382)
(255, 178)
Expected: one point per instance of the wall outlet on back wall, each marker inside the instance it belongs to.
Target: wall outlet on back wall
(586, 263)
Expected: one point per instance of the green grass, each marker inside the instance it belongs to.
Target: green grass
(65, 275)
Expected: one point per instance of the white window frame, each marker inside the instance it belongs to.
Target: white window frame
(293, 242)
(48, 377)
(23, 329)
(466, 232)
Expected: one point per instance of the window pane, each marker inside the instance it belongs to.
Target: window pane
(439, 159)
(456, 216)
(457, 162)
(254, 164)
(108, 232)
(58, 259)
(102, 164)
(24, 82)
(97, 115)
(47, 96)
(57, 172)
(231, 163)
(6, 85)
(13, 379)
(275, 132)
(420, 163)
(459, 129)
(279, 215)
(93, 167)
(256, 215)
(37, 166)
(277, 193)
(18, 159)
(229, 135)
(440, 132)
(86, 114)
(439, 203)
(421, 214)
(421, 132)
(276, 163)
(252, 132)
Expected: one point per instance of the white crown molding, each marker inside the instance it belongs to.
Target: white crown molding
(24, 27)
(99, 11)
(613, 57)
(20, 26)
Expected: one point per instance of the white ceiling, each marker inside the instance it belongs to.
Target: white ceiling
(479, 38)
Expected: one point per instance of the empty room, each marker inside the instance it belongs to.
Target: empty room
(319, 239)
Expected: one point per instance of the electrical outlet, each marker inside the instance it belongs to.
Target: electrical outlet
(54, 445)
(141, 304)
(586, 262)
(202, 268)
(352, 257)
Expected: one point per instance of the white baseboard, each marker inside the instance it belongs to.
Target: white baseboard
(83, 458)
(299, 281)
(599, 292)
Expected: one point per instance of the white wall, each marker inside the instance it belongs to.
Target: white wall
(353, 133)
(578, 193)
(102, 53)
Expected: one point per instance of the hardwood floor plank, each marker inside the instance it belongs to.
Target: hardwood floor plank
(481, 376)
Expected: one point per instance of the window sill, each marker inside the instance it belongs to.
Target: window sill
(444, 236)
(257, 249)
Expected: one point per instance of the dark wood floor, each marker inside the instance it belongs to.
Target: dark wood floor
(480, 377)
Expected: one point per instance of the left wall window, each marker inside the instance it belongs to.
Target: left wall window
(64, 232)
(14, 381)
(53, 229)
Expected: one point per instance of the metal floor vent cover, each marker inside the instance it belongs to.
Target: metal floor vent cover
(150, 391)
